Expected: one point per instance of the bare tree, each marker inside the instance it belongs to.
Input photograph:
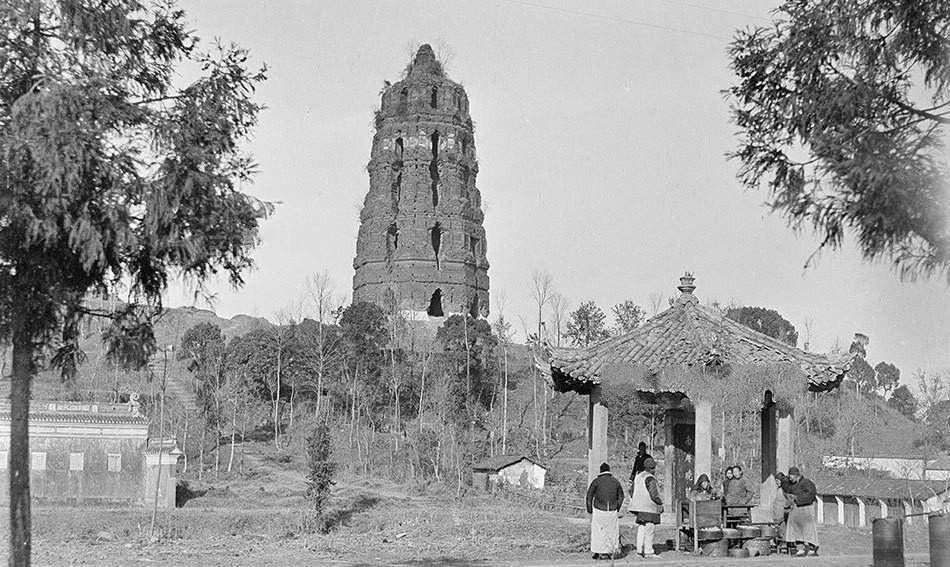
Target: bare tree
(559, 311)
(542, 289)
(320, 292)
(657, 299)
(281, 337)
(809, 332)
(504, 332)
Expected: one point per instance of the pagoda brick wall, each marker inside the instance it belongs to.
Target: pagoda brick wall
(421, 244)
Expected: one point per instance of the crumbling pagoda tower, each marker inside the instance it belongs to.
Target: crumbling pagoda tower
(421, 244)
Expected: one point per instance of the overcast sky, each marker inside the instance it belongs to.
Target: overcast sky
(601, 134)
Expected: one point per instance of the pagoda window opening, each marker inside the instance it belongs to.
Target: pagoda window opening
(435, 236)
(396, 188)
(403, 100)
(473, 307)
(399, 148)
(473, 244)
(434, 169)
(435, 304)
(434, 97)
(392, 237)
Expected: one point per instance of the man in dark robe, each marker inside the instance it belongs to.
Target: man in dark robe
(604, 498)
(642, 456)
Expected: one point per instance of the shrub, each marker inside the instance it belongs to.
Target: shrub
(319, 467)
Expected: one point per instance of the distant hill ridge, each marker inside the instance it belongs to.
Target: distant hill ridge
(97, 378)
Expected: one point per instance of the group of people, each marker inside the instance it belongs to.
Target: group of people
(605, 497)
(734, 491)
(792, 505)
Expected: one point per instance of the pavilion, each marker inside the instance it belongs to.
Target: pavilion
(681, 359)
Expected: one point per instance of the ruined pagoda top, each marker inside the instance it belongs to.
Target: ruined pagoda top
(425, 64)
(687, 334)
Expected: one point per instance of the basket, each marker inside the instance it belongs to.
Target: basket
(759, 546)
(750, 531)
(716, 548)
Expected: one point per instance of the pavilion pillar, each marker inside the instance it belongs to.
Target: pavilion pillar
(669, 456)
(769, 445)
(704, 427)
(596, 432)
(785, 442)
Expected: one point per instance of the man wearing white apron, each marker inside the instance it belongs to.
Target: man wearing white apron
(604, 498)
(648, 506)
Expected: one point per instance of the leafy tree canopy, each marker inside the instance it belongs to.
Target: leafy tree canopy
(765, 321)
(468, 346)
(628, 316)
(113, 179)
(587, 325)
(904, 401)
(887, 376)
(841, 106)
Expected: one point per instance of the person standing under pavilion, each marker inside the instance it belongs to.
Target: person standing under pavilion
(648, 505)
(604, 498)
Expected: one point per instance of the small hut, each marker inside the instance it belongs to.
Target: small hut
(516, 470)
(856, 501)
(685, 359)
(938, 469)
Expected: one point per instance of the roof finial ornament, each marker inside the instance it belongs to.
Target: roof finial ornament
(686, 283)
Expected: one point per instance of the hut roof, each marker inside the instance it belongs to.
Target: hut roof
(863, 487)
(685, 335)
(494, 464)
(80, 412)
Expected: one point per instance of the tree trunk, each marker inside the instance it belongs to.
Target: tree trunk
(243, 435)
(217, 421)
(293, 396)
(277, 403)
(422, 389)
(319, 385)
(504, 420)
(201, 452)
(233, 431)
(19, 459)
(161, 448)
(184, 442)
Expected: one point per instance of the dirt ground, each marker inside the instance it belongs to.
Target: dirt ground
(261, 520)
(371, 526)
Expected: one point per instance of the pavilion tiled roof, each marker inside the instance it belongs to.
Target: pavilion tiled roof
(687, 334)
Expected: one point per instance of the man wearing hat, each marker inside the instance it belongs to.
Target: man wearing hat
(604, 498)
(648, 506)
(801, 527)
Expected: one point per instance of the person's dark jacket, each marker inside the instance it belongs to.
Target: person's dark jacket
(604, 493)
(638, 464)
(738, 492)
(803, 491)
